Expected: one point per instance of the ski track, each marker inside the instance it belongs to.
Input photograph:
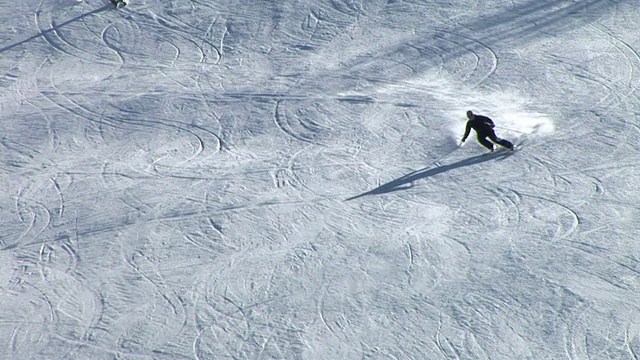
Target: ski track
(485, 60)
(175, 179)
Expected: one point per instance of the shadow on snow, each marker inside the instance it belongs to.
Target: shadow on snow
(54, 28)
(406, 181)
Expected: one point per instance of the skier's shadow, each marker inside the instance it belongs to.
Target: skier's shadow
(54, 28)
(406, 181)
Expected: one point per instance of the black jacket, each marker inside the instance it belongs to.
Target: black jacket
(481, 124)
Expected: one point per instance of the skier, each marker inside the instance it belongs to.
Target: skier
(484, 129)
(117, 3)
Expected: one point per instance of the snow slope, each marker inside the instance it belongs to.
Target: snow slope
(281, 180)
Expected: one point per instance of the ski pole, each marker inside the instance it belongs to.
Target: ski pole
(504, 128)
(436, 162)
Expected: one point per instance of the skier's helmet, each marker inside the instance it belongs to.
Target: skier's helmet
(470, 114)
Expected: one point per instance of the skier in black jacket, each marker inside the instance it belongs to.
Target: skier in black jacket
(117, 3)
(484, 129)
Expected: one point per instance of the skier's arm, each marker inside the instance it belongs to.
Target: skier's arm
(489, 122)
(466, 131)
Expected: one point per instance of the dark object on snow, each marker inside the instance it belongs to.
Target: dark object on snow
(119, 3)
(484, 129)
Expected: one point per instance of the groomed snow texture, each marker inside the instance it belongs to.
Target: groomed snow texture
(271, 179)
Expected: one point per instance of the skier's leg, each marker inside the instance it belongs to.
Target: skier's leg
(501, 142)
(506, 143)
(482, 139)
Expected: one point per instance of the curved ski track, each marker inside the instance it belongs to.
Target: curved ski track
(175, 177)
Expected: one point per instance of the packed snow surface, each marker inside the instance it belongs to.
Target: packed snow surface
(270, 179)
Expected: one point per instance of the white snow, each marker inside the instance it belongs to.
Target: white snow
(281, 180)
